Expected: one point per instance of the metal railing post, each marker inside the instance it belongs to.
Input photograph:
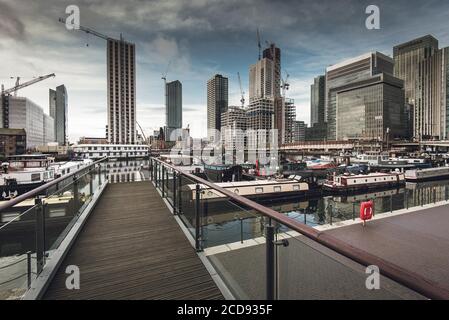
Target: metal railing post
(76, 199)
(391, 203)
(91, 182)
(179, 194)
(99, 174)
(155, 173)
(174, 193)
(269, 233)
(29, 270)
(406, 199)
(197, 219)
(163, 181)
(40, 235)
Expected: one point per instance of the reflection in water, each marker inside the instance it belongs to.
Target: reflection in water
(224, 226)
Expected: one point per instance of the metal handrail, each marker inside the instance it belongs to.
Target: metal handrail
(402, 276)
(38, 190)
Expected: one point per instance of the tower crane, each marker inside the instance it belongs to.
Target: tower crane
(164, 77)
(7, 92)
(258, 42)
(23, 85)
(90, 31)
(285, 85)
(242, 100)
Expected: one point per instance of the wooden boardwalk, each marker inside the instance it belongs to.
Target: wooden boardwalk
(132, 248)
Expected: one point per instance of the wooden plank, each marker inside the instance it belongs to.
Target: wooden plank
(132, 248)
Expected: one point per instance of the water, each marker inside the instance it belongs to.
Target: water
(313, 212)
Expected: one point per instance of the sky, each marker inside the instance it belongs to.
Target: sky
(199, 38)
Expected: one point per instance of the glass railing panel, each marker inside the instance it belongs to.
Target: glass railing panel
(17, 249)
(61, 210)
(307, 270)
(186, 202)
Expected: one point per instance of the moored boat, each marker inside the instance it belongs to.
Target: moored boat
(353, 182)
(427, 174)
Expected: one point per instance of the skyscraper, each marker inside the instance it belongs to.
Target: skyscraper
(317, 100)
(58, 111)
(121, 92)
(346, 72)
(173, 108)
(217, 102)
(267, 108)
(25, 114)
(371, 109)
(424, 69)
(273, 53)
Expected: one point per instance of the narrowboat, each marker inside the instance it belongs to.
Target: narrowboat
(352, 182)
(427, 174)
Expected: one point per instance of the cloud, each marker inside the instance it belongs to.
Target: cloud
(10, 24)
(199, 38)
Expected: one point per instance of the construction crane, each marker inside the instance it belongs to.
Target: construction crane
(285, 85)
(89, 31)
(18, 86)
(23, 85)
(258, 43)
(242, 100)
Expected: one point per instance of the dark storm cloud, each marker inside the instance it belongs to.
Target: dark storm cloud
(10, 24)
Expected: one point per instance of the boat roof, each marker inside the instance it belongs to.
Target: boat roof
(249, 183)
(28, 156)
(370, 175)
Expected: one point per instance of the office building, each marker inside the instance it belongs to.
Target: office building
(173, 108)
(371, 109)
(299, 131)
(424, 69)
(349, 71)
(233, 127)
(58, 111)
(317, 100)
(12, 142)
(121, 75)
(25, 114)
(217, 102)
(260, 114)
(284, 117)
(316, 132)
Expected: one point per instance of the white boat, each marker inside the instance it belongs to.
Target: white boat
(276, 188)
(22, 173)
(63, 168)
(371, 159)
(427, 174)
(358, 182)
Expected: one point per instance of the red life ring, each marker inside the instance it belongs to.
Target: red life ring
(366, 210)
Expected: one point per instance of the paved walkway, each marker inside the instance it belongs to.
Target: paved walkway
(132, 248)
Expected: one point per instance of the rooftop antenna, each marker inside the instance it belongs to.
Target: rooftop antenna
(258, 42)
